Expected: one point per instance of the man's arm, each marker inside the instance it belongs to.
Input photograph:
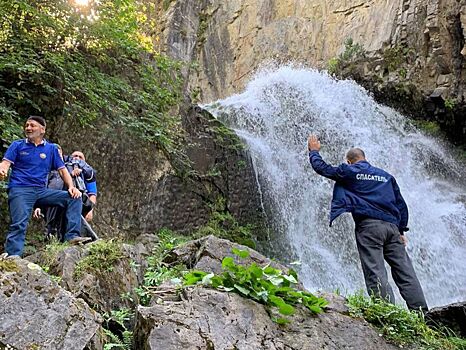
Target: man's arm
(4, 167)
(318, 164)
(402, 207)
(65, 175)
(91, 188)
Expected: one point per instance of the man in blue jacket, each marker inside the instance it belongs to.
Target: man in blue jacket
(380, 213)
(31, 160)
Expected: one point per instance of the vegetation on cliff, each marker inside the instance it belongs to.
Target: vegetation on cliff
(84, 64)
(401, 326)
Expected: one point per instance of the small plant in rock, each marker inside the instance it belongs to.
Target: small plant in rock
(450, 104)
(402, 326)
(102, 257)
(223, 225)
(158, 271)
(352, 51)
(266, 285)
(116, 330)
(51, 252)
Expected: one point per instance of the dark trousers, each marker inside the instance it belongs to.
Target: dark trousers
(21, 201)
(377, 241)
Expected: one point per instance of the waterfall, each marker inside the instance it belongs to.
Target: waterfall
(275, 114)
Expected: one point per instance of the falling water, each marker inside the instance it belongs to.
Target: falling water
(276, 113)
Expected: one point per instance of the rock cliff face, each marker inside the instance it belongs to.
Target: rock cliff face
(413, 49)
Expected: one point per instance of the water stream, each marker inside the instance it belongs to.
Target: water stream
(274, 116)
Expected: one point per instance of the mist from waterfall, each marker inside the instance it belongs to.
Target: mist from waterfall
(275, 114)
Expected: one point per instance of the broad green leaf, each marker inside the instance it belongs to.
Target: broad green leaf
(241, 253)
(277, 301)
(314, 308)
(290, 278)
(276, 281)
(286, 309)
(241, 289)
(271, 271)
(228, 262)
(206, 280)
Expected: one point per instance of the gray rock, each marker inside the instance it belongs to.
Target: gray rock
(210, 319)
(452, 316)
(103, 290)
(207, 253)
(36, 313)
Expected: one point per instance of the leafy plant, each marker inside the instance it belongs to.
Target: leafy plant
(158, 271)
(352, 51)
(266, 285)
(83, 64)
(402, 326)
(102, 257)
(124, 338)
(223, 225)
(450, 104)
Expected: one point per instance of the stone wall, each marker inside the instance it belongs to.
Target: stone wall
(422, 43)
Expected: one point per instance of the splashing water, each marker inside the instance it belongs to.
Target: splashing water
(275, 115)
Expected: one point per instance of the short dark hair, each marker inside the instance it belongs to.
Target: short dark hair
(355, 154)
(38, 119)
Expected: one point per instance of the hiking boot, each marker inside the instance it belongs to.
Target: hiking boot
(79, 240)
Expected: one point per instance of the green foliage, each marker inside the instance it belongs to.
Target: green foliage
(401, 326)
(223, 225)
(226, 137)
(450, 104)
(429, 127)
(121, 317)
(352, 51)
(83, 64)
(50, 254)
(264, 285)
(158, 271)
(102, 257)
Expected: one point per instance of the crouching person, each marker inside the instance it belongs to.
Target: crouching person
(31, 160)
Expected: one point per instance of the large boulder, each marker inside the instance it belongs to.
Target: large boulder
(207, 253)
(36, 313)
(202, 318)
(452, 316)
(210, 319)
(102, 288)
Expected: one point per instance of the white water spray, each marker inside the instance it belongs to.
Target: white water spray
(276, 113)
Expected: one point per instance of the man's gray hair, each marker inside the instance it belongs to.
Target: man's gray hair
(355, 154)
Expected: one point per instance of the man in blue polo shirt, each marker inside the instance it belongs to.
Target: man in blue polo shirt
(31, 160)
(380, 213)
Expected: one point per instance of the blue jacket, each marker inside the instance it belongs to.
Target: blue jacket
(364, 191)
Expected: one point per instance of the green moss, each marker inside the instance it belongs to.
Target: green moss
(51, 252)
(223, 225)
(8, 265)
(102, 257)
(226, 137)
(429, 127)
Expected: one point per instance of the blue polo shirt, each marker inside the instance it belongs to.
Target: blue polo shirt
(31, 164)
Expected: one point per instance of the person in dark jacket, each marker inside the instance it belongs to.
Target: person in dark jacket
(380, 213)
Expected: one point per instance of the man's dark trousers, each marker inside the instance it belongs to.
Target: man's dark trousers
(378, 240)
(21, 201)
